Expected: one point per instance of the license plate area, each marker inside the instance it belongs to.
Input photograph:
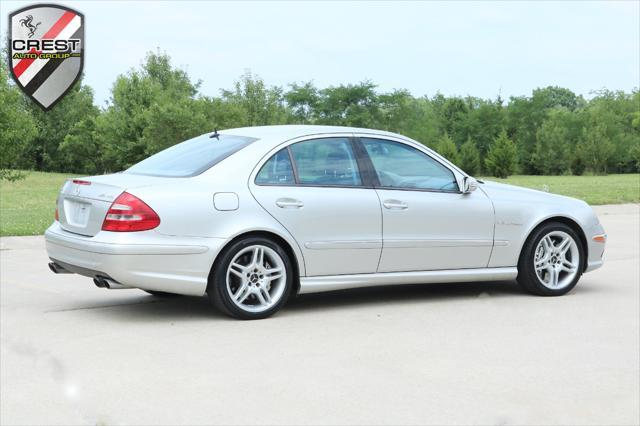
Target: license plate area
(77, 213)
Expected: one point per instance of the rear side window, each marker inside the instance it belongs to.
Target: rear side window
(190, 158)
(277, 171)
(328, 161)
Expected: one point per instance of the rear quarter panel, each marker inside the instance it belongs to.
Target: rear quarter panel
(186, 205)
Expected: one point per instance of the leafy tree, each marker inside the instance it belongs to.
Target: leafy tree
(54, 125)
(261, 105)
(634, 154)
(452, 116)
(501, 159)
(470, 157)
(616, 111)
(349, 105)
(447, 148)
(484, 122)
(17, 126)
(596, 147)
(551, 155)
(134, 125)
(303, 100)
(525, 116)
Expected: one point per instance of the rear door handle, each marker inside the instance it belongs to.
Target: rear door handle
(395, 205)
(289, 203)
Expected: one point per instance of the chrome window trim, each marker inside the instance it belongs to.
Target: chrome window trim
(287, 144)
(354, 137)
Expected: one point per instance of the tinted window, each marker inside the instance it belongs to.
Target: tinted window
(277, 171)
(401, 166)
(191, 157)
(327, 161)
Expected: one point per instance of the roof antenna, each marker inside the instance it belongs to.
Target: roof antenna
(215, 134)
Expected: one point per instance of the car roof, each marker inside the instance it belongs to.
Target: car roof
(290, 131)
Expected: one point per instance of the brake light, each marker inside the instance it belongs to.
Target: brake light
(129, 213)
(57, 215)
(81, 182)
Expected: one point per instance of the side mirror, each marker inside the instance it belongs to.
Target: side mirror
(469, 185)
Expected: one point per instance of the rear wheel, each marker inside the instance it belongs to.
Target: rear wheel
(551, 261)
(252, 279)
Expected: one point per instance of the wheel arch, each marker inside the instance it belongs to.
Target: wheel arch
(286, 246)
(571, 223)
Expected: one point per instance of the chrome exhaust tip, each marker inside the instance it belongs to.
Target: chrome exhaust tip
(103, 282)
(57, 269)
(99, 282)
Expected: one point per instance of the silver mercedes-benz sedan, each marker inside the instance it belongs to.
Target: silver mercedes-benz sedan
(251, 216)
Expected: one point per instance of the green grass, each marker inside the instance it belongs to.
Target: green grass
(610, 189)
(27, 206)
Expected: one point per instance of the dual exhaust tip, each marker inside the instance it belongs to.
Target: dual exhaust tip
(103, 282)
(98, 280)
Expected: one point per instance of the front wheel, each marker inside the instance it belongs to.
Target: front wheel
(551, 261)
(252, 279)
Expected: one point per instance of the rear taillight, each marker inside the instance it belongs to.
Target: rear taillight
(57, 214)
(129, 213)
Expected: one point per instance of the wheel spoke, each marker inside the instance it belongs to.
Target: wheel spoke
(553, 276)
(564, 245)
(273, 274)
(547, 242)
(242, 293)
(237, 269)
(568, 266)
(258, 256)
(542, 263)
(264, 297)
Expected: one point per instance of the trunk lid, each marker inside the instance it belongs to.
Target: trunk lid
(83, 202)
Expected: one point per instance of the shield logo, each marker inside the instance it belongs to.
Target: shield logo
(46, 51)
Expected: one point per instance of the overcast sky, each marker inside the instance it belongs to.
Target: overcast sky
(457, 48)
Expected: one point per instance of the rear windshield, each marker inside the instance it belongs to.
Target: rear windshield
(191, 157)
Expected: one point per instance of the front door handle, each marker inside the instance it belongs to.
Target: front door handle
(289, 203)
(395, 205)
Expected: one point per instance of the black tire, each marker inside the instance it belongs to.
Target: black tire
(161, 293)
(217, 287)
(527, 277)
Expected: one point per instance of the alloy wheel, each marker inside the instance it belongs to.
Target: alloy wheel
(256, 278)
(556, 260)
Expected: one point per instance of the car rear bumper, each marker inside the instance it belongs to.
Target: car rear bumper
(145, 260)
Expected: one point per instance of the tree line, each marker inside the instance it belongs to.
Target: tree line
(551, 132)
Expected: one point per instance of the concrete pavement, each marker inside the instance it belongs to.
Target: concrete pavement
(482, 353)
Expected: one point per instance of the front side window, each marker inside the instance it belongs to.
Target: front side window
(191, 157)
(277, 171)
(401, 166)
(328, 161)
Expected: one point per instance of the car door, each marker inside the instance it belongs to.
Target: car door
(428, 223)
(314, 188)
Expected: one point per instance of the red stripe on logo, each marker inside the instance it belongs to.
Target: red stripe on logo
(64, 20)
(23, 64)
(59, 26)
